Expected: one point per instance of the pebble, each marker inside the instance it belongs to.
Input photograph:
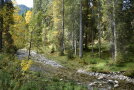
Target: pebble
(101, 77)
(116, 85)
(92, 84)
(116, 81)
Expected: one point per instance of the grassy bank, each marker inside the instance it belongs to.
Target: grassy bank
(15, 75)
(91, 62)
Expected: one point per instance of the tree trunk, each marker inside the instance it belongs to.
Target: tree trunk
(1, 30)
(99, 30)
(73, 40)
(81, 34)
(62, 39)
(75, 47)
(30, 46)
(99, 41)
(1, 25)
(86, 41)
(114, 32)
(92, 43)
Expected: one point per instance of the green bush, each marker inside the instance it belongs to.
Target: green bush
(94, 69)
(111, 62)
(120, 59)
(130, 73)
(70, 54)
(93, 62)
(52, 50)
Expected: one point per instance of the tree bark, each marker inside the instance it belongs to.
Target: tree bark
(30, 46)
(73, 40)
(1, 30)
(92, 43)
(81, 34)
(99, 41)
(1, 25)
(62, 39)
(75, 47)
(86, 41)
(114, 33)
(99, 30)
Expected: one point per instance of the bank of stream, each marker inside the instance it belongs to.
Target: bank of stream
(92, 81)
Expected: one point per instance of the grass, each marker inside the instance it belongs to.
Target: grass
(13, 78)
(89, 62)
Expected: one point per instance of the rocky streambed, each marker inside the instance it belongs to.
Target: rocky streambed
(109, 81)
(93, 80)
(23, 53)
(112, 75)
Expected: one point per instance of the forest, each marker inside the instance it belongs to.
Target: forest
(67, 45)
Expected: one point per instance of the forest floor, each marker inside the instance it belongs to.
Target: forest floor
(64, 70)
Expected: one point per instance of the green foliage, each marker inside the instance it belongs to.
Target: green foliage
(70, 54)
(93, 69)
(9, 72)
(93, 61)
(130, 73)
(8, 21)
(19, 32)
(120, 59)
(12, 78)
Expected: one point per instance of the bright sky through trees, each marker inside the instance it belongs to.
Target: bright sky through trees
(28, 3)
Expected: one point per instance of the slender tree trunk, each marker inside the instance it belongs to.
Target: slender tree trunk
(30, 46)
(92, 43)
(62, 42)
(1, 29)
(87, 25)
(99, 30)
(114, 32)
(81, 34)
(73, 40)
(99, 41)
(92, 37)
(86, 41)
(75, 47)
(1, 25)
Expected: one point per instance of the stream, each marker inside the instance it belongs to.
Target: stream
(93, 81)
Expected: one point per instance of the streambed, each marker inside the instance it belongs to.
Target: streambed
(53, 69)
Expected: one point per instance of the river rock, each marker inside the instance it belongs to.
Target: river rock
(116, 85)
(116, 81)
(111, 81)
(101, 78)
(93, 84)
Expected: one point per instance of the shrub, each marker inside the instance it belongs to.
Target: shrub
(93, 62)
(120, 59)
(52, 50)
(70, 54)
(129, 73)
(111, 63)
(94, 69)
